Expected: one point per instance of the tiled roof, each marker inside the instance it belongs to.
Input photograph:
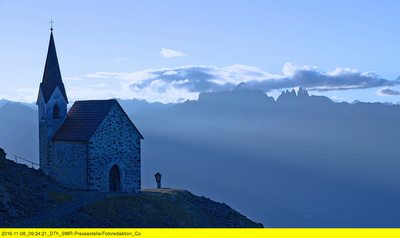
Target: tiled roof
(52, 73)
(83, 119)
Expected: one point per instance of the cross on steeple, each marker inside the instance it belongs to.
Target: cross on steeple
(51, 24)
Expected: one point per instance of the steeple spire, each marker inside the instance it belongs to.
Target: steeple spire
(52, 75)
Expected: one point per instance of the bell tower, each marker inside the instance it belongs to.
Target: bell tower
(52, 106)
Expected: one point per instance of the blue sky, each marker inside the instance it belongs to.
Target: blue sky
(171, 51)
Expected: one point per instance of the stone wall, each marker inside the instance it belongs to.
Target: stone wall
(115, 142)
(45, 148)
(70, 167)
(48, 125)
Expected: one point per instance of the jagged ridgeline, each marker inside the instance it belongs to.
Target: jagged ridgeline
(302, 160)
(297, 161)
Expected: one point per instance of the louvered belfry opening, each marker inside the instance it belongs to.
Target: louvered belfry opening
(115, 179)
(56, 111)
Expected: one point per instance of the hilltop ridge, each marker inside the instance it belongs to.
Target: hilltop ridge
(28, 198)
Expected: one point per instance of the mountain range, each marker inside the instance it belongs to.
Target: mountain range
(297, 161)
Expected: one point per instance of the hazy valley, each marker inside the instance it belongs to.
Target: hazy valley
(299, 161)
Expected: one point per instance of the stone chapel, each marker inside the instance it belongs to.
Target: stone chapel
(92, 146)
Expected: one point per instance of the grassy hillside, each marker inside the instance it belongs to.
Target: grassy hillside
(22, 192)
(24, 203)
(158, 208)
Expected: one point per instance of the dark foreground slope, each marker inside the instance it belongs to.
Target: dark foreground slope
(21, 192)
(24, 203)
(158, 208)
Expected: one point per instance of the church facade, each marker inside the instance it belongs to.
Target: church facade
(92, 146)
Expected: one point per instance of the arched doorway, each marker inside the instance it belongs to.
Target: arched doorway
(115, 179)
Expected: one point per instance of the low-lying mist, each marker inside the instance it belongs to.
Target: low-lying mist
(299, 161)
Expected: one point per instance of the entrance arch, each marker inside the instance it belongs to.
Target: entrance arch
(115, 179)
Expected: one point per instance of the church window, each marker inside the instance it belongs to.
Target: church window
(56, 111)
(42, 111)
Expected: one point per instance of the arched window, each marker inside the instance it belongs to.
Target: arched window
(42, 111)
(56, 111)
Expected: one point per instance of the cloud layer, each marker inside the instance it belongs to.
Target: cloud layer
(388, 92)
(187, 81)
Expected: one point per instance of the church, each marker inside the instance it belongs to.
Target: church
(92, 146)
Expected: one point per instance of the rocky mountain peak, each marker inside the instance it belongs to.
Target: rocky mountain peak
(291, 95)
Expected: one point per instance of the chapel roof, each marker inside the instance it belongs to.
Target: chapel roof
(52, 74)
(84, 118)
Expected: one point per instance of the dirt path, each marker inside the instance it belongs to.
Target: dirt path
(78, 199)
